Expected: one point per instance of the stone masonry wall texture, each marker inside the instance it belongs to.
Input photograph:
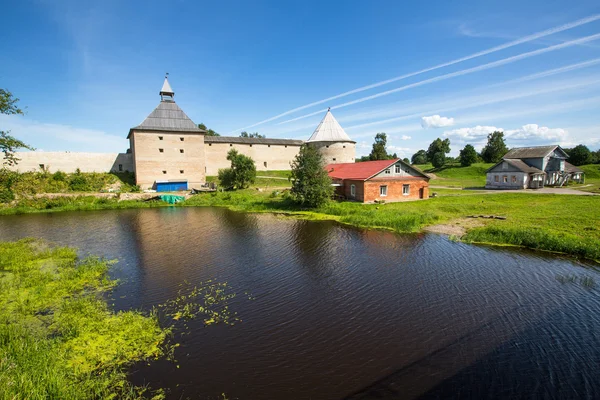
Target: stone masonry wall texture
(168, 156)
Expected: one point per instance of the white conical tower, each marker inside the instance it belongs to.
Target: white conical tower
(332, 141)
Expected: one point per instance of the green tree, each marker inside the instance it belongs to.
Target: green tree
(209, 132)
(438, 160)
(9, 144)
(495, 148)
(438, 146)
(255, 135)
(311, 185)
(580, 155)
(406, 160)
(420, 157)
(468, 156)
(379, 151)
(241, 174)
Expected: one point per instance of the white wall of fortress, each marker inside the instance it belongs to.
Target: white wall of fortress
(70, 161)
(336, 152)
(266, 157)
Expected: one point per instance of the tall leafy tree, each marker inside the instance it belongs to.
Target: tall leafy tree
(311, 185)
(580, 155)
(379, 151)
(209, 132)
(468, 156)
(495, 148)
(252, 135)
(241, 174)
(420, 157)
(9, 144)
(438, 146)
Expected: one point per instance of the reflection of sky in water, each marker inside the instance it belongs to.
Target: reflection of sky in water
(341, 310)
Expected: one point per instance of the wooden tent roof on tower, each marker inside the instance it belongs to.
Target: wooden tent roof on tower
(329, 130)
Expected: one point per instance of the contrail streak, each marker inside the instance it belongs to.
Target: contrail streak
(458, 73)
(480, 103)
(516, 42)
(538, 75)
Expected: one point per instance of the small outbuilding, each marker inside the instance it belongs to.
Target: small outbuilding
(384, 180)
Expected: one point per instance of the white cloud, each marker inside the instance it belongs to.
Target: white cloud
(535, 132)
(474, 133)
(57, 137)
(406, 137)
(436, 121)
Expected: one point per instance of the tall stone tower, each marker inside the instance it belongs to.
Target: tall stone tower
(332, 142)
(168, 147)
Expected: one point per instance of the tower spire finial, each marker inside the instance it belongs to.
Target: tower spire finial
(166, 93)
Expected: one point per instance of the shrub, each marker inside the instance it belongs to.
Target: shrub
(6, 195)
(241, 174)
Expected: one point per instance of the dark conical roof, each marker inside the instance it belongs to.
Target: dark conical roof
(168, 117)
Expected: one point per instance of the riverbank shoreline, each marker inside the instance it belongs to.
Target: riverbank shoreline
(546, 222)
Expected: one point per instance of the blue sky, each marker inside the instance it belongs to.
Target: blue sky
(89, 71)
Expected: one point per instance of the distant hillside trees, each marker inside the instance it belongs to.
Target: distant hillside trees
(241, 174)
(468, 156)
(255, 135)
(495, 148)
(311, 185)
(9, 144)
(209, 132)
(580, 155)
(420, 157)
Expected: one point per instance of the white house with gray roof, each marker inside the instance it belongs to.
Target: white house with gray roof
(533, 168)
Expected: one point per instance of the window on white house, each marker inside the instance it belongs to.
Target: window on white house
(353, 190)
(164, 172)
(398, 168)
(505, 179)
(406, 190)
(513, 179)
(265, 163)
(496, 178)
(181, 150)
(120, 167)
(160, 138)
(181, 171)
(182, 139)
(161, 150)
(388, 171)
(383, 190)
(334, 159)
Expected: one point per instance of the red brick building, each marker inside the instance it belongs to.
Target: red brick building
(389, 180)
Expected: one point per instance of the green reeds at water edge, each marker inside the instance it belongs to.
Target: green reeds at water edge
(58, 339)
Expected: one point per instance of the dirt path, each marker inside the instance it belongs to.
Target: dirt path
(546, 190)
(457, 227)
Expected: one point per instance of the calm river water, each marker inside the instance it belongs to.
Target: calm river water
(346, 313)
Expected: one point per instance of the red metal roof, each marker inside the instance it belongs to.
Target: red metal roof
(360, 170)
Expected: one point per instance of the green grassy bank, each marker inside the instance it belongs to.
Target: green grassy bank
(58, 338)
(559, 223)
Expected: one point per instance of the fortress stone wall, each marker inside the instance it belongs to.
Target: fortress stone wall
(268, 154)
(69, 162)
(169, 146)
